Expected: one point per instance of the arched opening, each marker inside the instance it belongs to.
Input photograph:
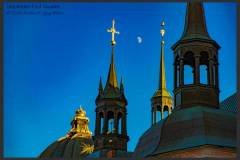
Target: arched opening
(119, 124)
(203, 74)
(110, 119)
(101, 122)
(204, 70)
(165, 111)
(188, 68)
(158, 114)
(188, 74)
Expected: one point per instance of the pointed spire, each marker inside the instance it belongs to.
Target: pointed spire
(100, 88)
(112, 76)
(121, 86)
(195, 23)
(162, 77)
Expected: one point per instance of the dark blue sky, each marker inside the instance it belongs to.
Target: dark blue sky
(52, 64)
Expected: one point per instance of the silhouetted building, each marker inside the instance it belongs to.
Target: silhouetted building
(110, 139)
(198, 126)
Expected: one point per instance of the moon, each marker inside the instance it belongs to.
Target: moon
(139, 39)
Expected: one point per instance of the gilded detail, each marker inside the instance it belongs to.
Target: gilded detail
(79, 126)
(113, 31)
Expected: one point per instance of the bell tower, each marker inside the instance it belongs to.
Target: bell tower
(198, 53)
(111, 111)
(161, 100)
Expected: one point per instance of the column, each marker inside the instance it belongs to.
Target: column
(154, 115)
(181, 73)
(197, 73)
(124, 124)
(115, 128)
(98, 125)
(105, 127)
(169, 110)
(216, 74)
(175, 75)
(210, 70)
(161, 112)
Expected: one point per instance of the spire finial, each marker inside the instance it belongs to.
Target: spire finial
(162, 78)
(79, 126)
(162, 31)
(113, 31)
(112, 76)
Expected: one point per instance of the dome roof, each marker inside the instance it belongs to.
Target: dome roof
(186, 128)
(69, 148)
(76, 144)
(163, 92)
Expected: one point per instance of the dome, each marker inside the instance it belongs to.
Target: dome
(163, 92)
(69, 148)
(77, 143)
(188, 128)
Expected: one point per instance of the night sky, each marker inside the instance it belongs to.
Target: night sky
(54, 57)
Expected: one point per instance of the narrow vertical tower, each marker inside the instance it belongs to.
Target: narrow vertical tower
(111, 112)
(197, 52)
(161, 100)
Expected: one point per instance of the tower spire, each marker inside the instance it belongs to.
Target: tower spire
(195, 23)
(161, 100)
(111, 107)
(112, 76)
(162, 76)
(195, 48)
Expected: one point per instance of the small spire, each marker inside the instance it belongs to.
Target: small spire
(162, 77)
(112, 76)
(121, 86)
(100, 88)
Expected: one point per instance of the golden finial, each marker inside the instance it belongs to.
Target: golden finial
(79, 126)
(162, 31)
(113, 31)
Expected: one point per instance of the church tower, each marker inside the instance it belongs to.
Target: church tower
(111, 112)
(198, 53)
(161, 100)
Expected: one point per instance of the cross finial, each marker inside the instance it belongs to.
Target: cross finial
(113, 31)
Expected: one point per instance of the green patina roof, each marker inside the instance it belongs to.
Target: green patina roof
(149, 140)
(212, 126)
(230, 103)
(190, 127)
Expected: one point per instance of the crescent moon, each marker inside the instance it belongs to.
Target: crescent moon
(139, 39)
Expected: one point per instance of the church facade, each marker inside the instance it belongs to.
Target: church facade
(197, 125)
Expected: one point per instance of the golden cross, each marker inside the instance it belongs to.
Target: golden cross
(113, 31)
